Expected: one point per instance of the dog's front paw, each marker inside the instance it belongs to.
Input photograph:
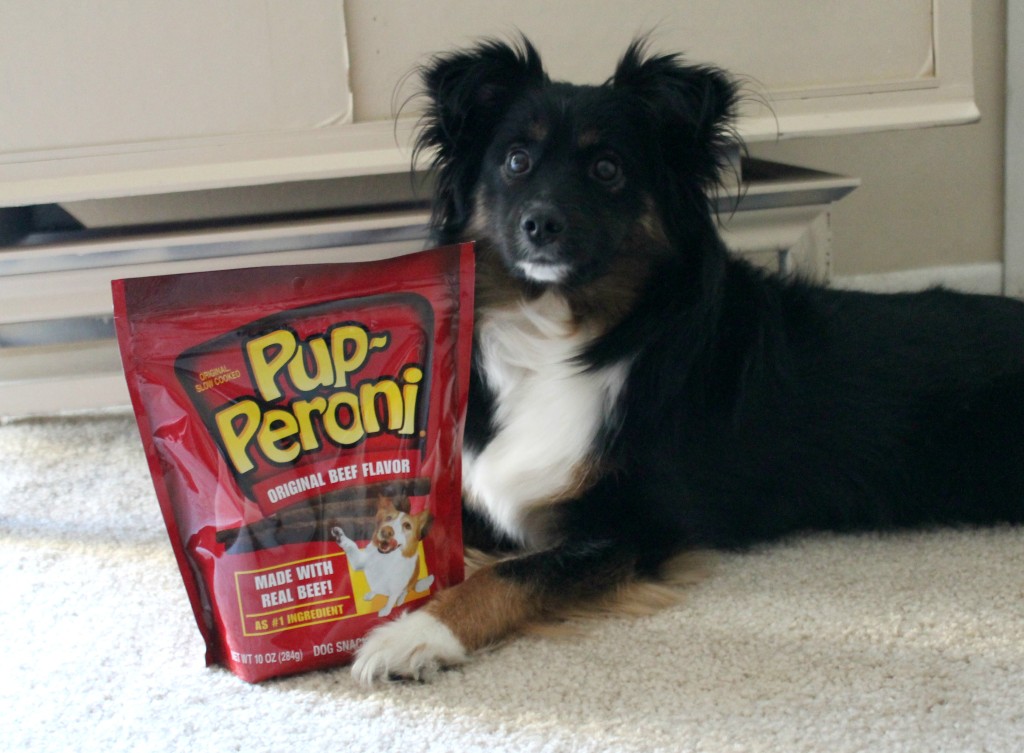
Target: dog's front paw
(413, 647)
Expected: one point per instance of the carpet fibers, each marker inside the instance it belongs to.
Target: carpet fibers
(909, 642)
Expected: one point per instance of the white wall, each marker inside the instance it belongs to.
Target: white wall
(928, 198)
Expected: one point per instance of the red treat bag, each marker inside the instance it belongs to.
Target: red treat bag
(303, 427)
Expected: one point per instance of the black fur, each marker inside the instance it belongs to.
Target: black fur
(756, 406)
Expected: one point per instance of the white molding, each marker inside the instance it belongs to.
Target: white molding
(786, 240)
(968, 278)
(354, 150)
(1013, 248)
(49, 292)
(71, 393)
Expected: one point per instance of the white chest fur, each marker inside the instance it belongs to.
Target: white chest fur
(549, 411)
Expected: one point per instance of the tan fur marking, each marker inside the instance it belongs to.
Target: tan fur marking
(479, 219)
(588, 138)
(409, 587)
(607, 299)
(477, 558)
(538, 130)
(639, 598)
(652, 231)
(633, 598)
(484, 609)
(420, 522)
(495, 287)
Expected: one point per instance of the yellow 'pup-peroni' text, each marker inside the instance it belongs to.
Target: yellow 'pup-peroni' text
(329, 406)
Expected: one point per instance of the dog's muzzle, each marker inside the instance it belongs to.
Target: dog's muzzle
(386, 541)
(542, 227)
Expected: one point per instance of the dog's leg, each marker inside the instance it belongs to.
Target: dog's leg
(494, 603)
(393, 601)
(356, 556)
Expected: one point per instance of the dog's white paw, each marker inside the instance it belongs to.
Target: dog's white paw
(413, 647)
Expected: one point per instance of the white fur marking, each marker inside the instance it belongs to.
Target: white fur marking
(549, 410)
(414, 646)
(544, 272)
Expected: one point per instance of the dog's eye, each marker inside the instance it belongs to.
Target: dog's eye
(606, 169)
(407, 526)
(517, 162)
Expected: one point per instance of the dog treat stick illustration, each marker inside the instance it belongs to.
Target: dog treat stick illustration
(313, 519)
(391, 559)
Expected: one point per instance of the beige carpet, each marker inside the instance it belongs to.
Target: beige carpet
(898, 643)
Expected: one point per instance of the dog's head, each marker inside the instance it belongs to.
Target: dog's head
(565, 181)
(397, 529)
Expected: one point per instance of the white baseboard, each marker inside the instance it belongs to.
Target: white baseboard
(969, 278)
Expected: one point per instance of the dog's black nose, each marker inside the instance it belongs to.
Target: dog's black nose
(542, 225)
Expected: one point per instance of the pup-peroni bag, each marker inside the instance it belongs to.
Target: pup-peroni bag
(303, 428)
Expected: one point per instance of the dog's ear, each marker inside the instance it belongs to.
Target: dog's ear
(401, 503)
(386, 505)
(692, 106)
(468, 93)
(425, 520)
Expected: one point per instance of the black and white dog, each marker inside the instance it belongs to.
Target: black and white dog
(638, 392)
